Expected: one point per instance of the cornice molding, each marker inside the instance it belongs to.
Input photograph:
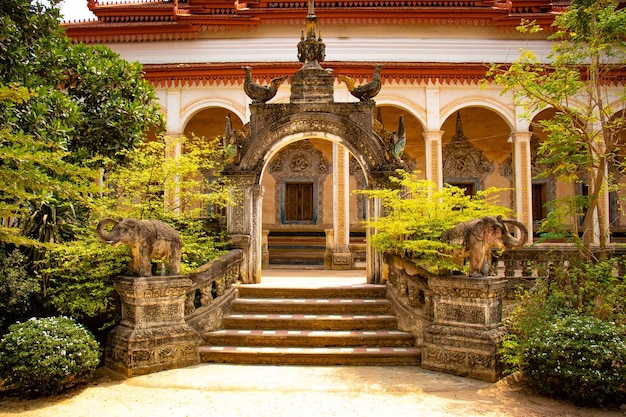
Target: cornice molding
(158, 20)
(408, 73)
(190, 75)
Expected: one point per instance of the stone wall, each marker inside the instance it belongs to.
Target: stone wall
(457, 320)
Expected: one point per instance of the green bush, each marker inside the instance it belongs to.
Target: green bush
(416, 213)
(17, 289)
(47, 356)
(78, 278)
(579, 358)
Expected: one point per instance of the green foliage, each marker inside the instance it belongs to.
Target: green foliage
(584, 137)
(416, 213)
(17, 289)
(34, 177)
(188, 168)
(201, 243)
(579, 358)
(116, 105)
(78, 278)
(567, 315)
(87, 98)
(63, 106)
(65, 109)
(47, 356)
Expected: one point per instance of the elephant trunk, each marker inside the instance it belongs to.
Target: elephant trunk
(512, 242)
(105, 237)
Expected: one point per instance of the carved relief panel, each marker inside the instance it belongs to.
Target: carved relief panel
(463, 162)
(299, 171)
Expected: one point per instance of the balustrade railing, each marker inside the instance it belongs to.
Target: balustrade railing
(212, 291)
(521, 267)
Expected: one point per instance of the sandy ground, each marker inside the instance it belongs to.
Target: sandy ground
(276, 391)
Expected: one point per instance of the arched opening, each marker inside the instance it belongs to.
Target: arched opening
(300, 205)
(209, 122)
(477, 152)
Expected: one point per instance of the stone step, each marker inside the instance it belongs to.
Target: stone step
(350, 325)
(309, 338)
(309, 321)
(358, 291)
(371, 356)
(311, 306)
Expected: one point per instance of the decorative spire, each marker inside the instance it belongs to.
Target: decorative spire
(459, 135)
(311, 49)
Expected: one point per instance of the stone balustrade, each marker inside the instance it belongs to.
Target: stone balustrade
(456, 320)
(521, 267)
(164, 316)
(212, 291)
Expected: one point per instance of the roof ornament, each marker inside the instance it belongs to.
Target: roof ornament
(311, 49)
(365, 92)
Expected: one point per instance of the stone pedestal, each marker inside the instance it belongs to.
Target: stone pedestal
(152, 335)
(312, 84)
(342, 259)
(466, 331)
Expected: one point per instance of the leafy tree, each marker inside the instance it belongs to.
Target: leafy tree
(180, 175)
(417, 213)
(584, 137)
(66, 110)
(34, 175)
(63, 107)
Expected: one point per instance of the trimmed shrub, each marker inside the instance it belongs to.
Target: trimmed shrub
(46, 356)
(579, 358)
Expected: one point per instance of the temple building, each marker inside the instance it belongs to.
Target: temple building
(352, 91)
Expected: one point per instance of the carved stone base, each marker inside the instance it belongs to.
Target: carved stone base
(466, 332)
(312, 85)
(465, 352)
(342, 260)
(152, 335)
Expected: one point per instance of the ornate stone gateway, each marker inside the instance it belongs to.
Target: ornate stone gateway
(311, 113)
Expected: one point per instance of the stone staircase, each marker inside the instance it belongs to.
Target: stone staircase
(311, 326)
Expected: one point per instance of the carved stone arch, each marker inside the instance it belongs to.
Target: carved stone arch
(353, 132)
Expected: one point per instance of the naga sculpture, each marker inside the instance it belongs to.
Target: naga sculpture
(367, 91)
(257, 92)
(477, 237)
(147, 239)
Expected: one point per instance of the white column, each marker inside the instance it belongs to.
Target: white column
(342, 258)
(172, 106)
(432, 136)
(523, 179)
(434, 163)
(174, 131)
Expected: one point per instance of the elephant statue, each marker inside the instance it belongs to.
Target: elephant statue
(147, 239)
(477, 237)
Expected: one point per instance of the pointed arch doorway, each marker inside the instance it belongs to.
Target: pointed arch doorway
(311, 216)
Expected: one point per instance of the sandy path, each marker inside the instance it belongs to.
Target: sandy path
(260, 391)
